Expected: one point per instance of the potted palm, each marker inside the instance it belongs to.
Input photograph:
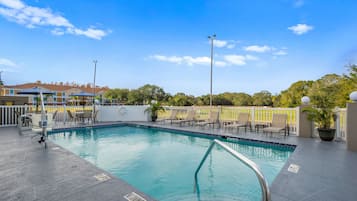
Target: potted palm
(153, 110)
(322, 111)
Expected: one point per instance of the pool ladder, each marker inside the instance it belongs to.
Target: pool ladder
(262, 181)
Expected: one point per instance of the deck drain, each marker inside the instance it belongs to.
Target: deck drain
(133, 197)
(293, 168)
(102, 177)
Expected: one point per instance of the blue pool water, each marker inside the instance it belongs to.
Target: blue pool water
(162, 163)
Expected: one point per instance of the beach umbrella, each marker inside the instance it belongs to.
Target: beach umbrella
(82, 94)
(35, 91)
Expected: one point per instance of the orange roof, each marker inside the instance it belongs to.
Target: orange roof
(57, 87)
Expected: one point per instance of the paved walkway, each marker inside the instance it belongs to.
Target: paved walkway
(29, 172)
(327, 171)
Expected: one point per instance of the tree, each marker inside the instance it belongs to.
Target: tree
(292, 96)
(181, 99)
(151, 92)
(120, 95)
(262, 98)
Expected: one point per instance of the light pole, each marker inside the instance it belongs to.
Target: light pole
(95, 73)
(211, 39)
(1, 82)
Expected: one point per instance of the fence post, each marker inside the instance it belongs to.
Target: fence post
(338, 124)
(252, 111)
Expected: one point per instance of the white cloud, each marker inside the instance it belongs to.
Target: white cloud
(220, 63)
(7, 62)
(32, 17)
(231, 59)
(257, 48)
(230, 44)
(220, 43)
(16, 4)
(280, 53)
(251, 57)
(235, 59)
(300, 29)
(189, 60)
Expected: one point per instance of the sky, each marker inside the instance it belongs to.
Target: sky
(259, 44)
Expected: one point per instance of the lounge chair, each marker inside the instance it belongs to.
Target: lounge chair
(172, 117)
(212, 120)
(243, 121)
(189, 118)
(278, 124)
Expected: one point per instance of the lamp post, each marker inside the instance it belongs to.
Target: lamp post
(1, 82)
(95, 73)
(210, 96)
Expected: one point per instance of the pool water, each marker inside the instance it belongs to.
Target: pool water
(162, 163)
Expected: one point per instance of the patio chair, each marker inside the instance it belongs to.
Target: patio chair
(172, 117)
(242, 121)
(87, 115)
(22, 119)
(71, 117)
(278, 124)
(212, 120)
(190, 118)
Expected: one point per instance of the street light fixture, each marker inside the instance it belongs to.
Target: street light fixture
(211, 38)
(95, 72)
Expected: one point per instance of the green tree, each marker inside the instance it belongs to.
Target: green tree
(262, 98)
(292, 96)
(151, 92)
(181, 99)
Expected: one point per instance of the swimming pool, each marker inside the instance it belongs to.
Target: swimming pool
(161, 163)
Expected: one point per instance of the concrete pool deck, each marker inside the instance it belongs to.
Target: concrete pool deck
(327, 170)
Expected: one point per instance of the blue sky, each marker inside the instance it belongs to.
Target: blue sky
(261, 44)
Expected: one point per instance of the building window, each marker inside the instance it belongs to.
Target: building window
(11, 92)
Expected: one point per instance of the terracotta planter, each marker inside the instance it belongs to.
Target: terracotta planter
(326, 134)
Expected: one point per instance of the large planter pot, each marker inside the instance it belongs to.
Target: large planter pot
(153, 118)
(326, 134)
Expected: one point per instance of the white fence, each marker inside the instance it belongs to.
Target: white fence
(9, 114)
(258, 115)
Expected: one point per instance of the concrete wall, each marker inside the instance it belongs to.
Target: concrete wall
(304, 126)
(122, 113)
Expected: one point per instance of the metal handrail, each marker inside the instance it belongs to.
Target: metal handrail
(262, 181)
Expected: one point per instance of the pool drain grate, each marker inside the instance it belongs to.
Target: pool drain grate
(133, 197)
(294, 168)
(101, 177)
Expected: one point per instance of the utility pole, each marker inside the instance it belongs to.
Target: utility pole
(212, 38)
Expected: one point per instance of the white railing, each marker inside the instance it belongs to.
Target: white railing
(258, 115)
(8, 116)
